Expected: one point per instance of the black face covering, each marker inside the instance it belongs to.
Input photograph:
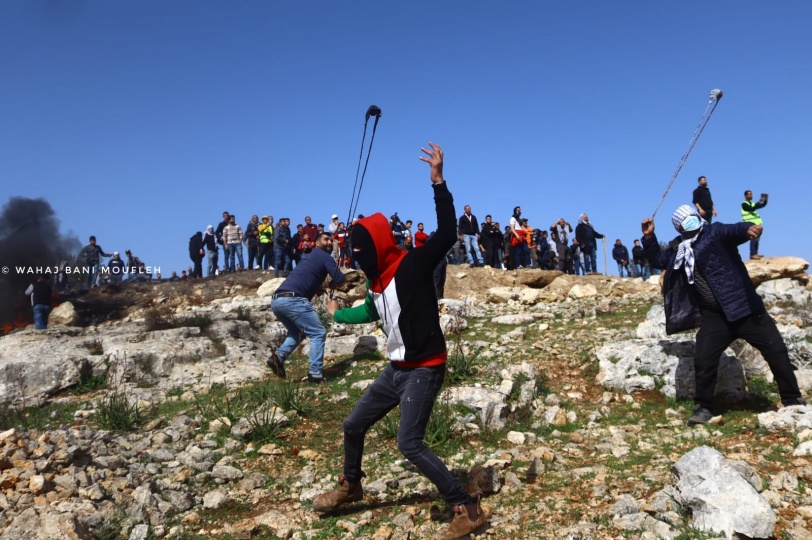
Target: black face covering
(363, 251)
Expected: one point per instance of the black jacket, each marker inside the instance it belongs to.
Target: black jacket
(586, 236)
(196, 246)
(717, 257)
(468, 227)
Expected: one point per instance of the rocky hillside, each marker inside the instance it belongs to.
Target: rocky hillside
(146, 411)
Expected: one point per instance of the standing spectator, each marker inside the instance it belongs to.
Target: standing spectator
(397, 228)
(116, 268)
(703, 200)
(420, 236)
(577, 257)
(507, 248)
(491, 238)
(468, 230)
(707, 286)
(91, 255)
(210, 244)
(196, 253)
(407, 231)
(306, 245)
(333, 229)
(134, 265)
(561, 230)
(265, 249)
(543, 251)
(519, 256)
(749, 215)
(588, 238)
(311, 229)
(295, 245)
(291, 305)
(251, 240)
(281, 248)
(415, 373)
(223, 224)
(621, 256)
(232, 243)
(530, 239)
(341, 240)
(641, 266)
(40, 292)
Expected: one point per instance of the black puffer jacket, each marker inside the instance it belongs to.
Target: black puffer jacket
(717, 257)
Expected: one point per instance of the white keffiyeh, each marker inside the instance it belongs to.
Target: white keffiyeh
(685, 251)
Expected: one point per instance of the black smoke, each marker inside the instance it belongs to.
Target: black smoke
(29, 238)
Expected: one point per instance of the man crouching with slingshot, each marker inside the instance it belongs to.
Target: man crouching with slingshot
(400, 292)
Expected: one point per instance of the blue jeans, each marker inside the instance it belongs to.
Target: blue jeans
(92, 269)
(300, 319)
(415, 390)
(471, 244)
(576, 263)
(754, 246)
(621, 267)
(281, 261)
(520, 253)
(211, 262)
(234, 250)
(41, 312)
(590, 259)
(643, 270)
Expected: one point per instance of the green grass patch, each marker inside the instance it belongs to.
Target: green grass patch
(116, 413)
(36, 417)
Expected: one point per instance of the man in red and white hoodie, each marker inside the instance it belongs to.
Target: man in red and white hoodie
(400, 293)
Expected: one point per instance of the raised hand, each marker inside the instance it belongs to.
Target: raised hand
(435, 159)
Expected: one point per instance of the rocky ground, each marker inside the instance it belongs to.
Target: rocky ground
(562, 406)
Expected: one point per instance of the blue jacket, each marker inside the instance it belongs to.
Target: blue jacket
(717, 257)
(620, 253)
(308, 276)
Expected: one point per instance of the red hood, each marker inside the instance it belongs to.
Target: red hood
(389, 254)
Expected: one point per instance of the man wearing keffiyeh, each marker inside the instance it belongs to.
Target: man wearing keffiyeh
(706, 285)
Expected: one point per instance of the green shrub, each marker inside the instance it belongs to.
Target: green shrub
(116, 414)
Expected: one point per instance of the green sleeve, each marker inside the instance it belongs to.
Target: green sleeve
(364, 313)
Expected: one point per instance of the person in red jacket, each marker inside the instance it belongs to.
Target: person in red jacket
(420, 237)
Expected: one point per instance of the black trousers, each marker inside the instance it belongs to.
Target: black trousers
(757, 329)
(265, 255)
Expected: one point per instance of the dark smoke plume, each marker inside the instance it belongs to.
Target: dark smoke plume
(29, 237)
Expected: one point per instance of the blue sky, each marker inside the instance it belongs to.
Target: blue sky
(140, 122)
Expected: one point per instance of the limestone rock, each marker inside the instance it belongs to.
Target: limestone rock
(719, 498)
(64, 314)
(269, 287)
(45, 523)
(774, 268)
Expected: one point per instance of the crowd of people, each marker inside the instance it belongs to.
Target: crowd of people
(266, 245)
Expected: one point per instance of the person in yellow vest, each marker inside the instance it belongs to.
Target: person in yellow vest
(750, 215)
(265, 253)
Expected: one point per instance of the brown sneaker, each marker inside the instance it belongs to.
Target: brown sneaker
(346, 492)
(467, 518)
